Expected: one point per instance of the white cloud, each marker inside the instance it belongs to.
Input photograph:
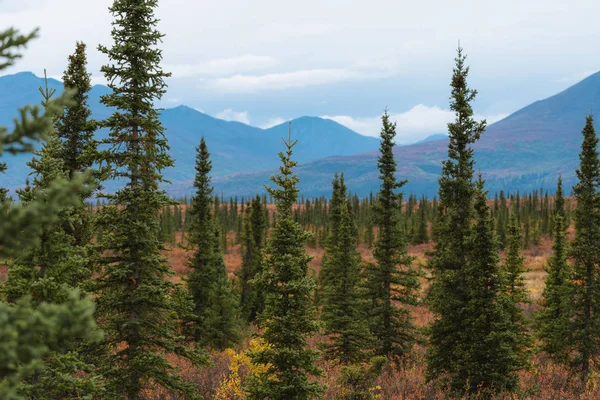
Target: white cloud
(221, 66)
(411, 126)
(231, 115)
(272, 122)
(284, 80)
(99, 80)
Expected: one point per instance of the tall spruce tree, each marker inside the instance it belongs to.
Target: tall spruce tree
(448, 296)
(391, 281)
(289, 316)
(216, 322)
(253, 237)
(343, 312)
(553, 320)
(138, 306)
(585, 252)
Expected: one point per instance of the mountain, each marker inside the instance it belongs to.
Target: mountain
(437, 136)
(235, 147)
(527, 150)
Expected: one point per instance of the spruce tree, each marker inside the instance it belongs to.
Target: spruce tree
(552, 321)
(252, 299)
(448, 296)
(289, 316)
(343, 312)
(585, 252)
(216, 321)
(390, 280)
(139, 308)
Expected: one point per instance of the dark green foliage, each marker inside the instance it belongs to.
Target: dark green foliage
(391, 280)
(253, 237)
(29, 333)
(472, 340)
(585, 252)
(552, 321)
(343, 310)
(448, 295)
(489, 354)
(138, 307)
(288, 318)
(216, 321)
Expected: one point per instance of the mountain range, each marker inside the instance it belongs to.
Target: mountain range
(234, 146)
(526, 150)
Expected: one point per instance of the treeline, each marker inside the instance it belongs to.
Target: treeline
(90, 308)
(533, 211)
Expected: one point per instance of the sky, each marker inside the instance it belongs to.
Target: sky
(262, 62)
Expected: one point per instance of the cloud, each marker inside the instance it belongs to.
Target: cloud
(285, 80)
(272, 122)
(231, 115)
(411, 126)
(221, 66)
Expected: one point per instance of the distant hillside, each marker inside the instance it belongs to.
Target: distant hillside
(235, 147)
(437, 136)
(525, 151)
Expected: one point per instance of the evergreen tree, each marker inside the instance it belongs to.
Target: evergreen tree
(553, 319)
(343, 311)
(470, 338)
(252, 298)
(585, 252)
(288, 318)
(216, 321)
(139, 308)
(391, 279)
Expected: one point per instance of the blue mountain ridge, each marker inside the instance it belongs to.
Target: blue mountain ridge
(527, 150)
(234, 146)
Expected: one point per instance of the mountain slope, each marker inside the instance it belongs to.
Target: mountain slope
(527, 150)
(235, 147)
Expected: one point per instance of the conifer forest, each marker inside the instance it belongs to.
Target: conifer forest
(133, 293)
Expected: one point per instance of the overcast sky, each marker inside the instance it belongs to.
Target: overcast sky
(265, 61)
